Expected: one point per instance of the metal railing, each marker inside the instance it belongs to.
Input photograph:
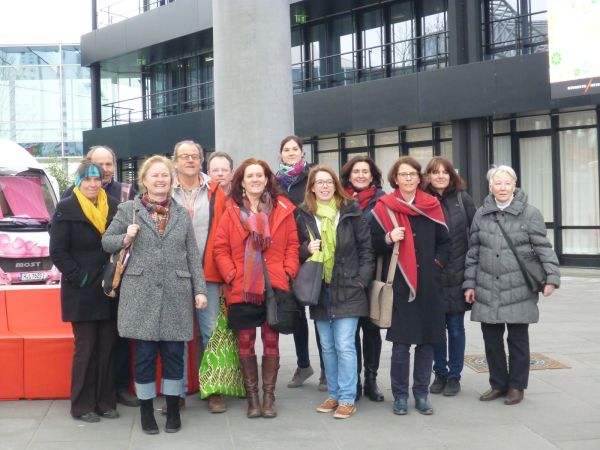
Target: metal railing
(170, 102)
(124, 9)
(382, 61)
(515, 35)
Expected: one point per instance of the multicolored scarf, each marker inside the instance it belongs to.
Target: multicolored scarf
(159, 212)
(259, 240)
(362, 197)
(425, 205)
(95, 213)
(288, 174)
(327, 214)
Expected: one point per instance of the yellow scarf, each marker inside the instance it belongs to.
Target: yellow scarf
(96, 214)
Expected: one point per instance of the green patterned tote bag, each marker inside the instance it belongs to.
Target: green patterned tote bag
(220, 370)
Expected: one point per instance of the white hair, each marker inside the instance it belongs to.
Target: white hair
(501, 169)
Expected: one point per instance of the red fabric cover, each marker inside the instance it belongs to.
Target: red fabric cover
(281, 257)
(24, 196)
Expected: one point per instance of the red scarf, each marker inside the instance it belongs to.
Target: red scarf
(362, 197)
(159, 212)
(425, 205)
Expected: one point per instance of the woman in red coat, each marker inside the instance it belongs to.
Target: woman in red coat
(257, 223)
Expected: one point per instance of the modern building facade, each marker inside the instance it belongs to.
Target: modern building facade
(45, 99)
(466, 79)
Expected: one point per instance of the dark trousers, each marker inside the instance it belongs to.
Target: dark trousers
(449, 356)
(371, 347)
(123, 363)
(301, 343)
(171, 355)
(92, 376)
(516, 373)
(399, 370)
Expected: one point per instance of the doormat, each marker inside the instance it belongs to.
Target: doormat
(537, 361)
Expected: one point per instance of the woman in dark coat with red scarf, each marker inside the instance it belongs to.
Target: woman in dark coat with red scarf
(362, 180)
(424, 247)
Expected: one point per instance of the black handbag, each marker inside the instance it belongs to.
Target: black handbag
(309, 281)
(529, 263)
(115, 268)
(283, 311)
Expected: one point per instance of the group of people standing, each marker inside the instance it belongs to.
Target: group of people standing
(196, 237)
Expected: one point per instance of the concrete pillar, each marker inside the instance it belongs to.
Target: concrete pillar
(253, 77)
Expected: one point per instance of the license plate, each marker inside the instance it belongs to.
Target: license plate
(33, 276)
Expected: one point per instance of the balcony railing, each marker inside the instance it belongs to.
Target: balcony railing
(515, 35)
(124, 9)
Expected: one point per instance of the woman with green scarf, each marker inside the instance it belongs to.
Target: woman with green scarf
(331, 229)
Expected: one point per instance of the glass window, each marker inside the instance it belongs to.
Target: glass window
(502, 151)
(433, 29)
(445, 132)
(536, 173)
(577, 119)
(582, 242)
(402, 34)
(385, 157)
(418, 134)
(332, 159)
(317, 35)
(533, 123)
(328, 144)
(501, 126)
(308, 152)
(343, 43)
(30, 56)
(421, 154)
(373, 38)
(71, 54)
(297, 60)
(446, 149)
(389, 137)
(358, 140)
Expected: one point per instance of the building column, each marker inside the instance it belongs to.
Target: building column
(253, 78)
(96, 96)
(470, 155)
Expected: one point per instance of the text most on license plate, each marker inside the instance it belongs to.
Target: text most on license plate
(32, 276)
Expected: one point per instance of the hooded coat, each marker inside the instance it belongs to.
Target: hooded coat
(491, 268)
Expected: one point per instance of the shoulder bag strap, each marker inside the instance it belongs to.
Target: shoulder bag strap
(133, 222)
(512, 247)
(394, 259)
(268, 286)
(464, 211)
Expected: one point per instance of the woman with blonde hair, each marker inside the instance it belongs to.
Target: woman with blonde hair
(330, 222)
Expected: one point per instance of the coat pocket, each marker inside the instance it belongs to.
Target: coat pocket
(183, 274)
(134, 272)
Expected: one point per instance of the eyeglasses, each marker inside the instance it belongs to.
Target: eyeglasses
(324, 182)
(193, 157)
(408, 175)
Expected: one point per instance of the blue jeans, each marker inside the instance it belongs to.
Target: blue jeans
(448, 360)
(339, 357)
(171, 354)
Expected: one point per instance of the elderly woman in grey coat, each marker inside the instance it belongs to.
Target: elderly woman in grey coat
(162, 282)
(496, 287)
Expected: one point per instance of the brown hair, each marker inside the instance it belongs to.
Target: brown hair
(347, 170)
(195, 144)
(286, 139)
(456, 182)
(409, 160)
(237, 191)
(310, 199)
(219, 155)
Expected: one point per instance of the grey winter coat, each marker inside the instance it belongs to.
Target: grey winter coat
(162, 278)
(501, 294)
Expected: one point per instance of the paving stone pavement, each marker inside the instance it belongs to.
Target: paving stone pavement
(561, 409)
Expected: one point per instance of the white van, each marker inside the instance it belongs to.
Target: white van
(28, 197)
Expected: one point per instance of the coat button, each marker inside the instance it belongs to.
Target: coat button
(497, 255)
(497, 278)
(159, 285)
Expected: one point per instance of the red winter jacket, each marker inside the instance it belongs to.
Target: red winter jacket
(281, 257)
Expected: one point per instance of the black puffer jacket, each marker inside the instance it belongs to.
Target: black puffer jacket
(458, 222)
(354, 262)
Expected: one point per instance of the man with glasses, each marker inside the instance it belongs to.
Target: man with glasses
(205, 201)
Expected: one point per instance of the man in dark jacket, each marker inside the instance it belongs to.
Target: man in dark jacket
(105, 158)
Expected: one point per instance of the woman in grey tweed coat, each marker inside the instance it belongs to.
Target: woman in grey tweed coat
(162, 282)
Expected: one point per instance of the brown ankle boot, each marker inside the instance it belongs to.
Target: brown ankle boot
(250, 371)
(270, 367)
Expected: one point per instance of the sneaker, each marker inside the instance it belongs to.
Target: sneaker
(328, 406)
(323, 382)
(300, 376)
(438, 385)
(89, 417)
(110, 414)
(344, 410)
(452, 387)
(400, 407)
(423, 406)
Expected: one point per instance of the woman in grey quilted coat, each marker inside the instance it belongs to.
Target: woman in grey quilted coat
(496, 287)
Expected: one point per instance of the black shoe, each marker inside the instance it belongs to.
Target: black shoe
(149, 425)
(372, 390)
(173, 419)
(438, 385)
(126, 398)
(423, 406)
(89, 417)
(452, 387)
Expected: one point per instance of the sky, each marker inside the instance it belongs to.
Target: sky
(44, 21)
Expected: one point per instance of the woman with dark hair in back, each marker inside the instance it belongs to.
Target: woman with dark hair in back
(444, 183)
(361, 178)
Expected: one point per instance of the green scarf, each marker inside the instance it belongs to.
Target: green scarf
(326, 214)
